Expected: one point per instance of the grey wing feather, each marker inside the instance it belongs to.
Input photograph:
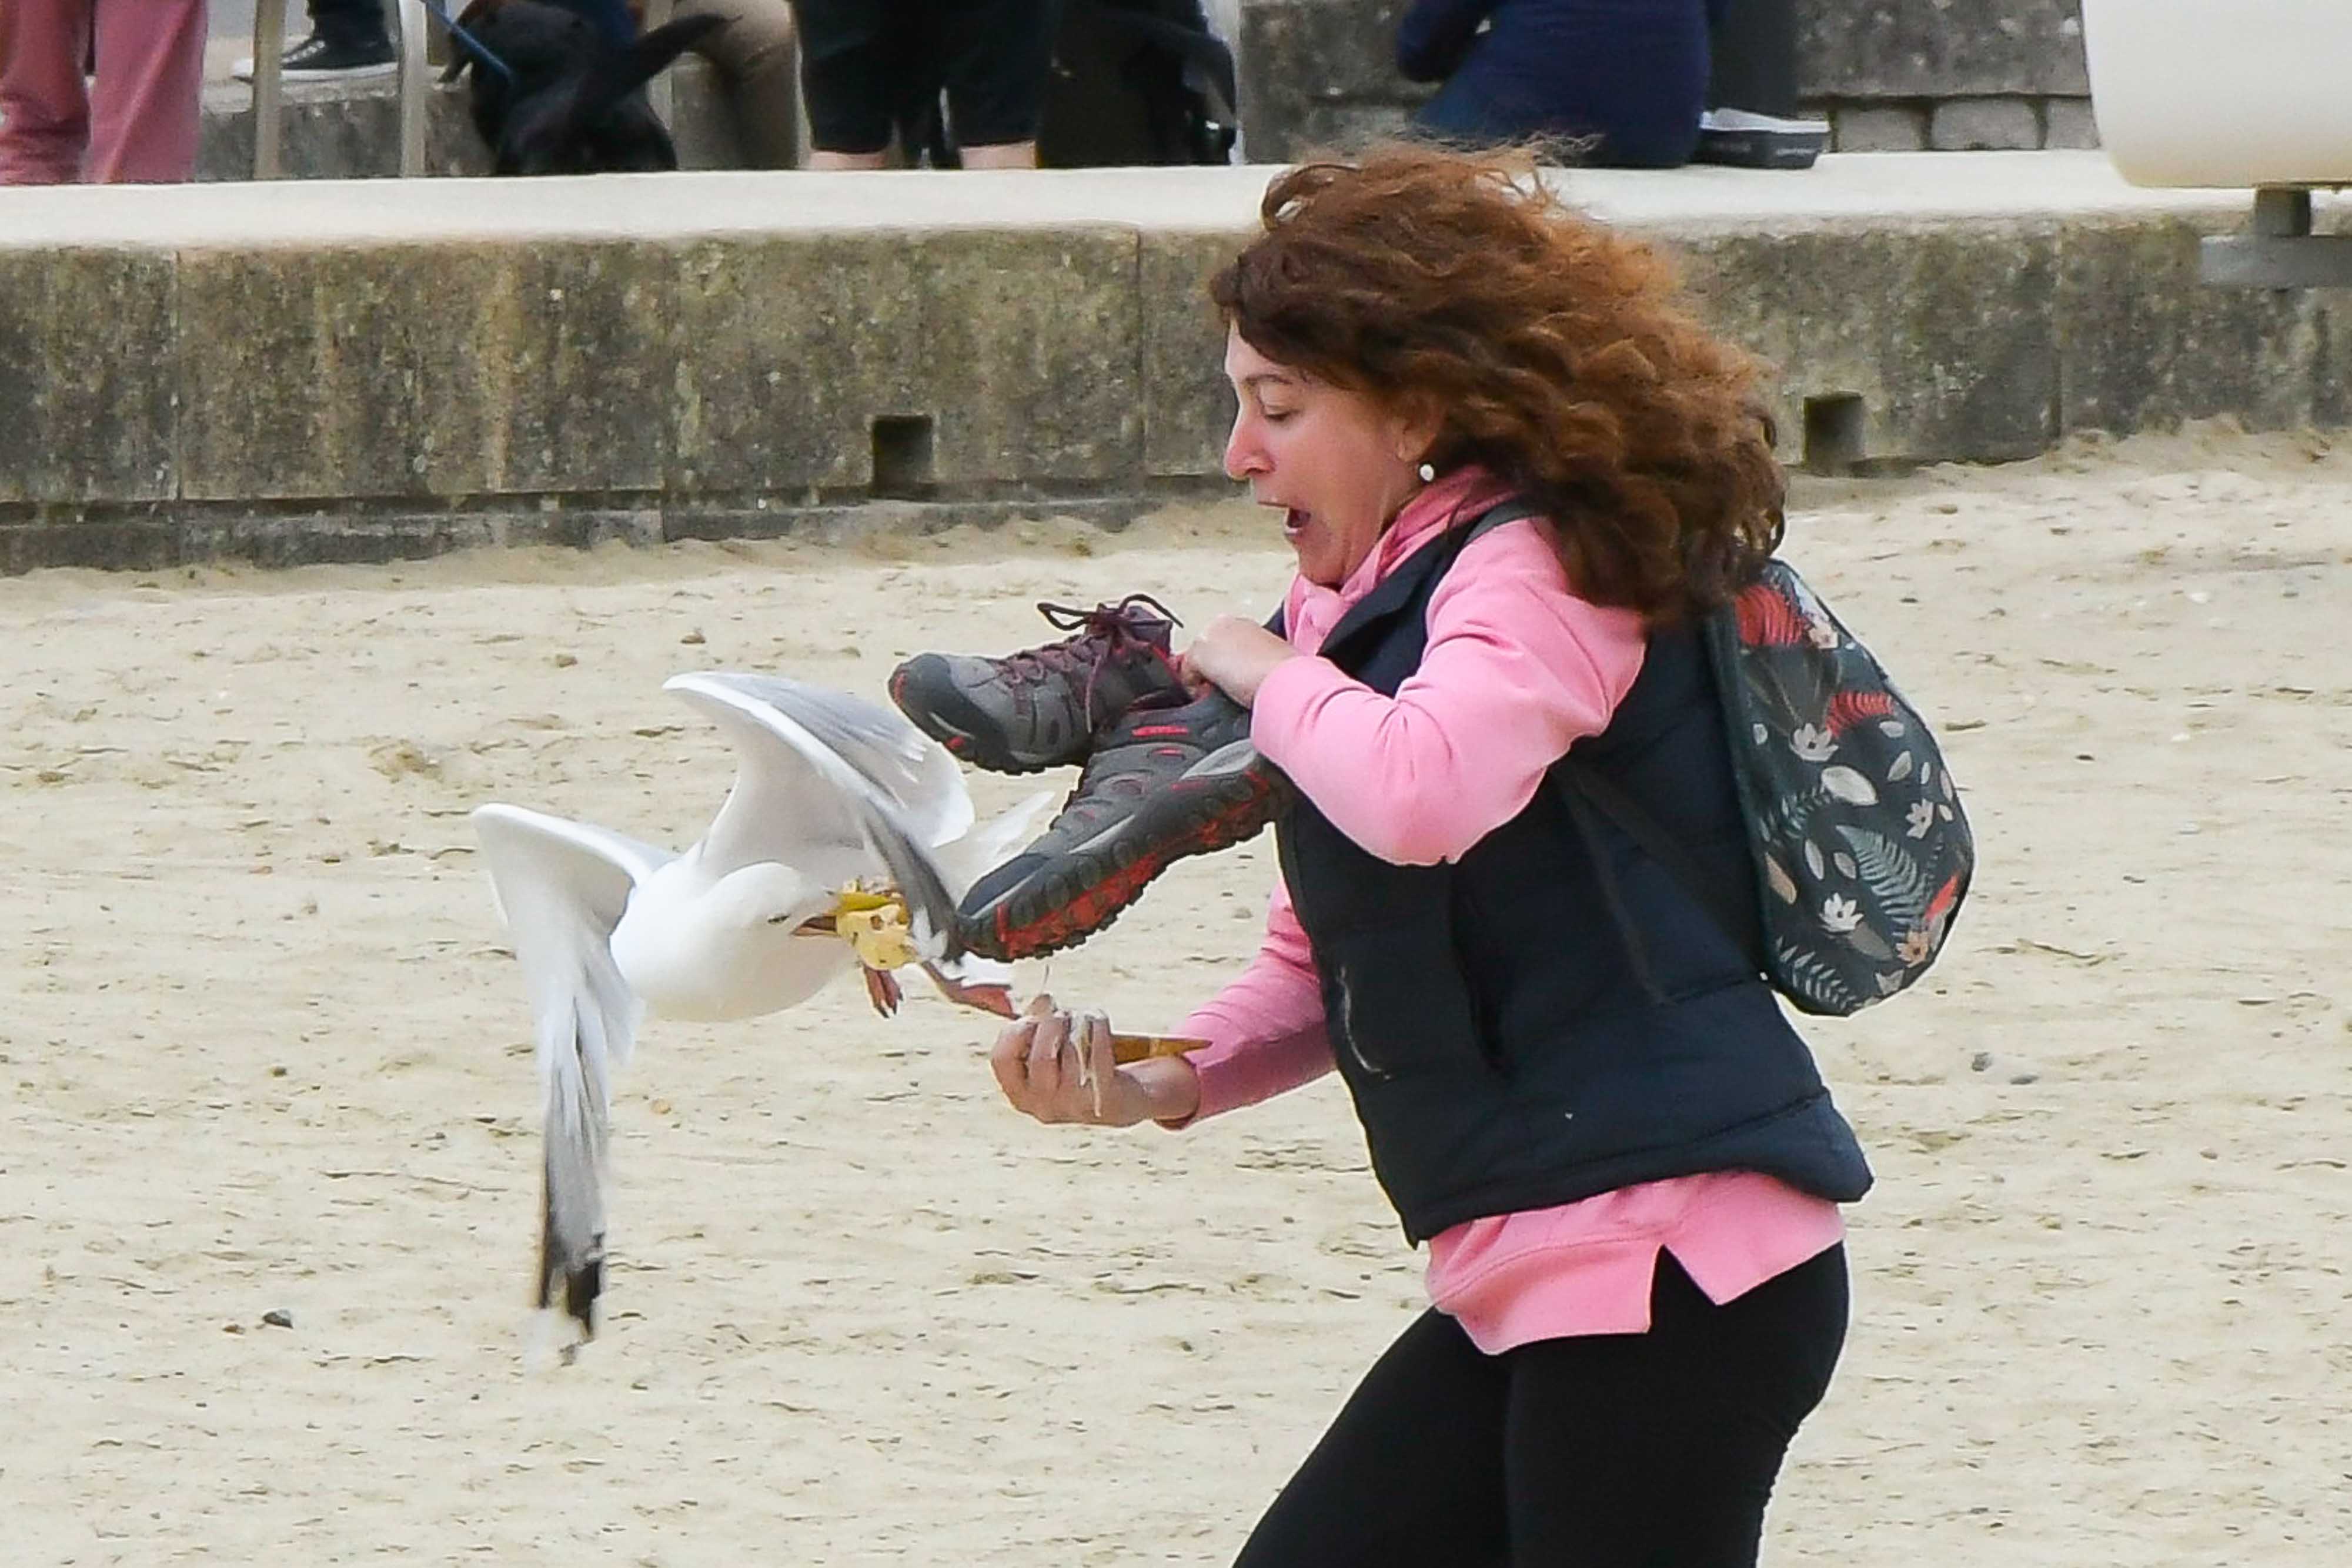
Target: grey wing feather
(851, 753)
(562, 887)
(912, 770)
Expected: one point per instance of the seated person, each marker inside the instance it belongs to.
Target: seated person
(1626, 78)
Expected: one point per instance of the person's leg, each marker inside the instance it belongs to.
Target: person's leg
(348, 39)
(846, 81)
(42, 99)
(1633, 1450)
(994, 56)
(1753, 49)
(350, 22)
(148, 102)
(754, 52)
(1410, 1473)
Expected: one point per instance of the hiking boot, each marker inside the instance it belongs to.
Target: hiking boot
(1169, 778)
(1040, 707)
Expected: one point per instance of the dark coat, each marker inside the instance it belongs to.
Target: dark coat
(1552, 1015)
(1632, 73)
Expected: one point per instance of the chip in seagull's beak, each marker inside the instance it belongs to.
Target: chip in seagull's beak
(876, 926)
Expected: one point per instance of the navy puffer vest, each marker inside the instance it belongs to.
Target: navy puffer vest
(1553, 1015)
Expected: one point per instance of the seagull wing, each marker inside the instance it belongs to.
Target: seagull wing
(822, 770)
(562, 887)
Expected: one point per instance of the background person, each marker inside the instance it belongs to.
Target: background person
(1627, 77)
(133, 119)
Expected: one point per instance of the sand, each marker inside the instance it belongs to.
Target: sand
(267, 1054)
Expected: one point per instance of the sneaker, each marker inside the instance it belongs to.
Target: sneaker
(1169, 778)
(1746, 141)
(316, 58)
(1040, 709)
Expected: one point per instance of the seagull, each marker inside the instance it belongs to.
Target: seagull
(834, 800)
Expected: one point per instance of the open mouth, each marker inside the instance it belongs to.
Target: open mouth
(1294, 522)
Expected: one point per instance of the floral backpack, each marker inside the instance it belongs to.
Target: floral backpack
(1862, 851)
(1861, 848)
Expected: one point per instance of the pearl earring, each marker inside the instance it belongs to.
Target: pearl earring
(1428, 472)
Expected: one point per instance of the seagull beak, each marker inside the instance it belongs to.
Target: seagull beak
(874, 925)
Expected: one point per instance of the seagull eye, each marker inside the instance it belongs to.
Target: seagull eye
(779, 920)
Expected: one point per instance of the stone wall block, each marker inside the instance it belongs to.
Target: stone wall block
(1984, 125)
(1896, 128)
(2144, 346)
(339, 131)
(1953, 359)
(88, 377)
(1188, 405)
(393, 370)
(1903, 48)
(1031, 343)
(1296, 58)
(302, 374)
(548, 368)
(1022, 348)
(796, 343)
(2068, 123)
(345, 130)
(1347, 128)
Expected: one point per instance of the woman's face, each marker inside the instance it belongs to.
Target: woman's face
(1337, 464)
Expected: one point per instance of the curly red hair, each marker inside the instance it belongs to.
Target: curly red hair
(1554, 348)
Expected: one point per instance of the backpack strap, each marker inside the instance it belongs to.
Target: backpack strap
(1586, 788)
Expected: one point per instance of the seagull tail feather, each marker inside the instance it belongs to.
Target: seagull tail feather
(575, 1274)
(577, 1278)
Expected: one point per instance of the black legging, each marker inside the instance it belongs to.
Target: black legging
(1651, 1450)
(352, 23)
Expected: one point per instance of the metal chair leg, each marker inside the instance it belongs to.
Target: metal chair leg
(268, 87)
(415, 88)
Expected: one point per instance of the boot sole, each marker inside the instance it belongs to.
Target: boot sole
(932, 718)
(1083, 891)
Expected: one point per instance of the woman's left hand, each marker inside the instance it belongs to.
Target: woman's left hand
(1234, 655)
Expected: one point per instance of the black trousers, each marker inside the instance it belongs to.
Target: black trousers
(1753, 45)
(1654, 1450)
(352, 21)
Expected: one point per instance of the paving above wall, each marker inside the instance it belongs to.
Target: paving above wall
(328, 369)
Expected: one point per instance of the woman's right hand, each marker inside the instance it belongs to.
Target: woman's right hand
(1058, 1067)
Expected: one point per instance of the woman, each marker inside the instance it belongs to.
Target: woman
(1573, 1086)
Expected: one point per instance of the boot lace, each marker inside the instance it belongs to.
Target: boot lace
(1098, 636)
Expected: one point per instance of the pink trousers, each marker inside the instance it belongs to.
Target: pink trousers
(135, 122)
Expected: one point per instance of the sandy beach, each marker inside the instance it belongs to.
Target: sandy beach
(267, 1054)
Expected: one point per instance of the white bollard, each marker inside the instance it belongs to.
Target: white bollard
(2234, 94)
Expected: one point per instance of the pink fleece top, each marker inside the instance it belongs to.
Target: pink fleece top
(1516, 668)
